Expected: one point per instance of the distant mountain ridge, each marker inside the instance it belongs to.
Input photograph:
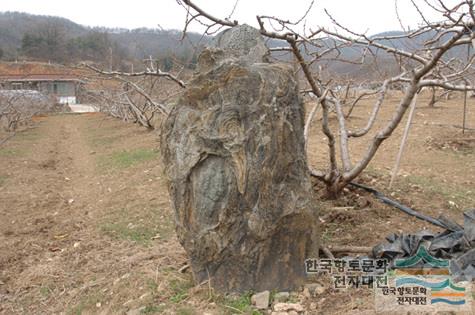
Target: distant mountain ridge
(134, 44)
(20, 38)
(14, 25)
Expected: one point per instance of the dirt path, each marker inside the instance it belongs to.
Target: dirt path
(71, 203)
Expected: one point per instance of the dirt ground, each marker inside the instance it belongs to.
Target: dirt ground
(86, 225)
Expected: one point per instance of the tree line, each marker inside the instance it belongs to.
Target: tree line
(52, 39)
(50, 43)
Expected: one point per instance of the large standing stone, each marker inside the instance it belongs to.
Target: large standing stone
(233, 149)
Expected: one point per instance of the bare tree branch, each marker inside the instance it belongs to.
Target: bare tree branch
(149, 72)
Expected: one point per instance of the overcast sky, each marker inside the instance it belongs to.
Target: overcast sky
(372, 16)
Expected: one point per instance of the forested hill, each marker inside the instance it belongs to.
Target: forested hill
(59, 40)
(55, 39)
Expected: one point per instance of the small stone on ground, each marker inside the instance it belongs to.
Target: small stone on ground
(261, 300)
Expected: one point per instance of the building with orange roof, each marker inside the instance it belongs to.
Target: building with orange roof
(58, 81)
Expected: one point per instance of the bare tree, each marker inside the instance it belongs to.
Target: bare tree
(436, 96)
(426, 63)
(136, 96)
(19, 106)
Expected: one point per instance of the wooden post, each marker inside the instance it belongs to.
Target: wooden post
(464, 122)
(404, 140)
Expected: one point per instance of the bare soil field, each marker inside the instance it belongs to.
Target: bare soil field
(86, 225)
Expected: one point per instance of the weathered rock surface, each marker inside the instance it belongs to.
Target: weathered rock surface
(233, 150)
(261, 300)
(243, 42)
